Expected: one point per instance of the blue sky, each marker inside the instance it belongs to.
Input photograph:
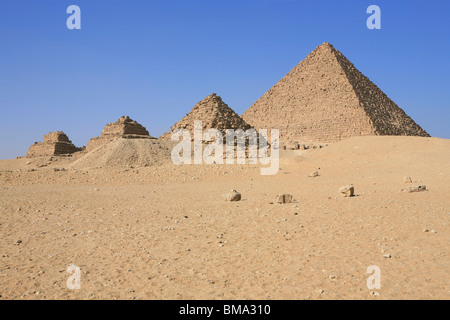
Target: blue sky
(154, 60)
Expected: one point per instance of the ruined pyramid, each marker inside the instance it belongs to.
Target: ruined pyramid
(326, 99)
(123, 128)
(54, 143)
(214, 114)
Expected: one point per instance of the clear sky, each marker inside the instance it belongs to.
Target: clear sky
(154, 60)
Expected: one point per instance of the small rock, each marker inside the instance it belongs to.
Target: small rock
(374, 293)
(284, 198)
(418, 188)
(232, 196)
(347, 191)
(387, 256)
(314, 174)
(18, 242)
(407, 180)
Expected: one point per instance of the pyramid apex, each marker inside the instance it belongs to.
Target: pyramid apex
(213, 96)
(325, 49)
(325, 45)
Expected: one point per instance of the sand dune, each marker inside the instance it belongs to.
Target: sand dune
(125, 152)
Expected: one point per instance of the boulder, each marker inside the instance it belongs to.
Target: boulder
(417, 188)
(347, 191)
(284, 198)
(314, 174)
(232, 196)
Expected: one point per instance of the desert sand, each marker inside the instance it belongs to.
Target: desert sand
(164, 231)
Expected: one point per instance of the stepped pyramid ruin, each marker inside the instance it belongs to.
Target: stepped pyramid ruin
(55, 143)
(214, 114)
(326, 99)
(123, 128)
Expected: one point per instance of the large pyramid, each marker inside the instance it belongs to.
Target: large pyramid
(214, 114)
(326, 99)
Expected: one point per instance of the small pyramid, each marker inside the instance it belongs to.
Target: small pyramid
(54, 143)
(326, 99)
(123, 128)
(214, 114)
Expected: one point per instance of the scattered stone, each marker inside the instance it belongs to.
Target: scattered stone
(314, 174)
(232, 196)
(407, 180)
(347, 191)
(374, 293)
(284, 198)
(417, 188)
(387, 256)
(18, 242)
(292, 146)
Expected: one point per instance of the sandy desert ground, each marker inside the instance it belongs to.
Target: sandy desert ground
(164, 231)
